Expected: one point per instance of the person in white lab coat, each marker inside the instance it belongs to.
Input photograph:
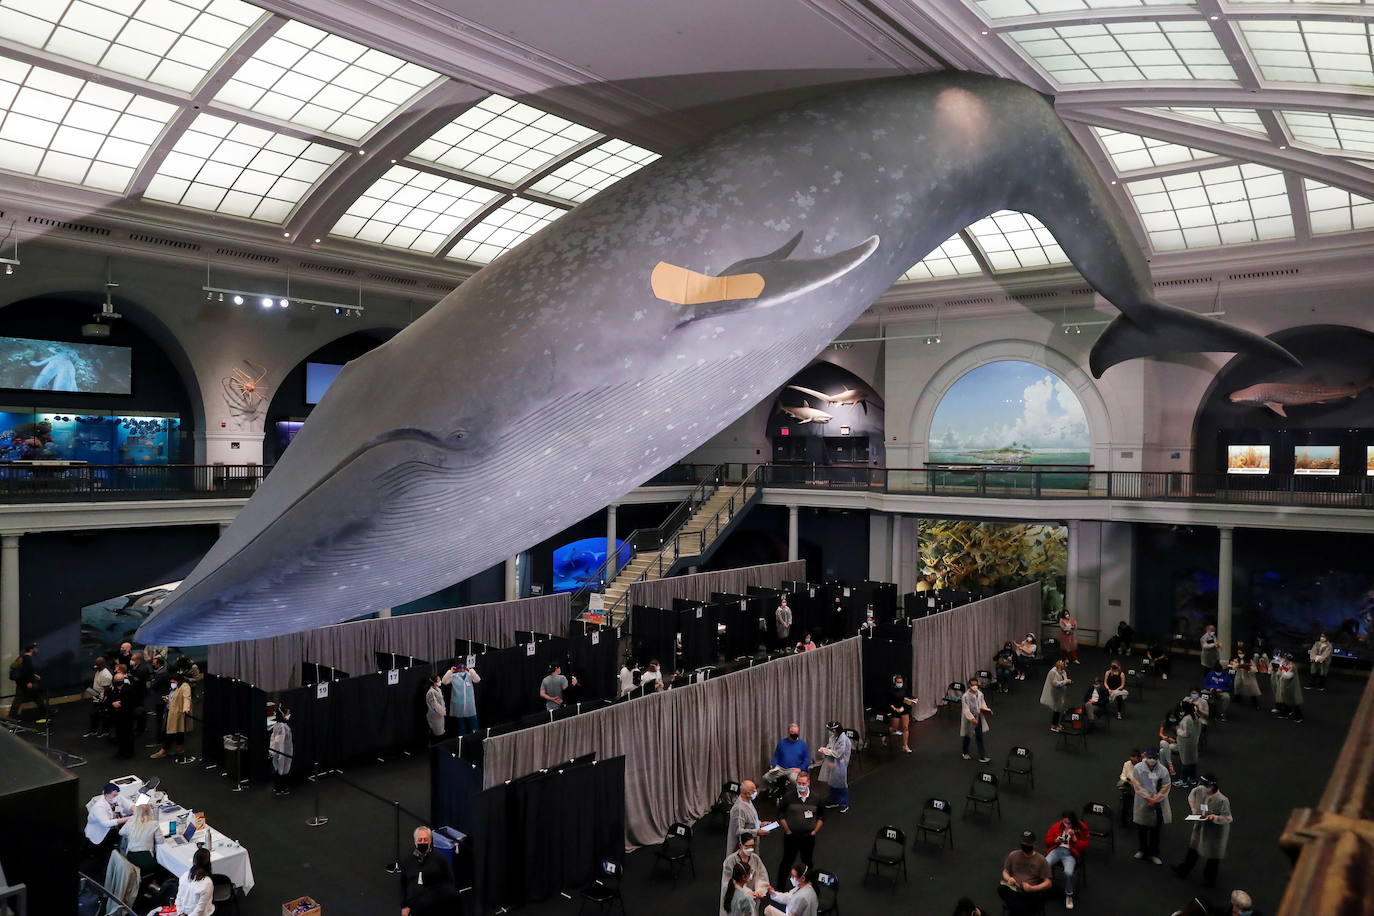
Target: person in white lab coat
(799, 901)
(462, 702)
(195, 892)
(744, 817)
(1211, 834)
(281, 748)
(1320, 657)
(434, 709)
(105, 814)
(835, 766)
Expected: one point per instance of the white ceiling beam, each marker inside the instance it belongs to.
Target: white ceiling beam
(1237, 52)
(497, 203)
(214, 81)
(1094, 17)
(960, 36)
(345, 182)
(1093, 148)
(1297, 204)
(1157, 95)
(1178, 168)
(882, 35)
(1327, 169)
(35, 57)
(977, 252)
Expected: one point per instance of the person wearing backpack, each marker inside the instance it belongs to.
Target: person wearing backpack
(28, 683)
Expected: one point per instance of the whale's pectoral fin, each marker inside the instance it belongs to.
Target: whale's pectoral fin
(769, 282)
(781, 254)
(1155, 329)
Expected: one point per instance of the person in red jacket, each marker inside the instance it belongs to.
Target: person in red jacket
(1066, 842)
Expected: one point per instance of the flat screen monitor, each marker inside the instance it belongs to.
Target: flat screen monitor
(55, 365)
(1247, 459)
(318, 378)
(1369, 460)
(1317, 459)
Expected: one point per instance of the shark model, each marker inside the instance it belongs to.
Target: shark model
(806, 413)
(847, 397)
(622, 336)
(1278, 395)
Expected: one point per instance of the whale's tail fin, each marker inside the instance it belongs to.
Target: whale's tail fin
(1157, 328)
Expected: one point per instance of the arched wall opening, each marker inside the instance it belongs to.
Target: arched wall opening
(129, 398)
(826, 414)
(302, 387)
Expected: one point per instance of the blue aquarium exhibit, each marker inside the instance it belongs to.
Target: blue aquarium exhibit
(92, 437)
(578, 561)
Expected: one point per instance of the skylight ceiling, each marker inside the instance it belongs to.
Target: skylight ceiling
(411, 209)
(1115, 52)
(1335, 210)
(1132, 152)
(321, 82)
(1312, 51)
(580, 178)
(503, 140)
(952, 259)
(70, 130)
(1334, 132)
(172, 43)
(1246, 119)
(1015, 241)
(504, 228)
(1212, 207)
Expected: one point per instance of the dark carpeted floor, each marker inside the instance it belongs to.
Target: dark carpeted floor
(1267, 766)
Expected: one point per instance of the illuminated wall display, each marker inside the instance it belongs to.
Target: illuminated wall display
(1247, 459)
(1317, 459)
(54, 365)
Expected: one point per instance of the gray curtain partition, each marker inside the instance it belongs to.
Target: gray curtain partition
(682, 744)
(952, 645)
(274, 663)
(700, 586)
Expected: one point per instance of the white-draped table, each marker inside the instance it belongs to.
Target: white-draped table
(227, 857)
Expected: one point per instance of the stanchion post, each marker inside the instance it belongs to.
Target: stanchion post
(317, 821)
(395, 867)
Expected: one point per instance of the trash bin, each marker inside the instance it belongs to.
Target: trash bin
(234, 746)
(449, 840)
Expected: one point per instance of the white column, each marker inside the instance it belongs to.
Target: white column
(1225, 574)
(9, 603)
(611, 554)
(384, 612)
(512, 578)
(223, 527)
(793, 522)
(895, 568)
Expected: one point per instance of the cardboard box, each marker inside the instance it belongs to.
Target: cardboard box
(289, 909)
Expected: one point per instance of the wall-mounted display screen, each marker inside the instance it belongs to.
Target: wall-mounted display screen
(286, 431)
(1369, 460)
(95, 438)
(53, 365)
(318, 378)
(1247, 459)
(1317, 459)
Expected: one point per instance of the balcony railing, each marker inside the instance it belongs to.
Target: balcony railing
(49, 483)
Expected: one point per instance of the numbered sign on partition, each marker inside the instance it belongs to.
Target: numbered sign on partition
(744, 604)
(529, 648)
(846, 591)
(596, 637)
(930, 602)
(698, 613)
(393, 677)
(811, 593)
(472, 661)
(322, 690)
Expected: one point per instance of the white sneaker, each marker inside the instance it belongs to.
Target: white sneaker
(906, 750)
(1138, 855)
(1157, 860)
(1068, 903)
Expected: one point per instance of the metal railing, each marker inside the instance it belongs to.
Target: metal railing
(1346, 492)
(39, 483)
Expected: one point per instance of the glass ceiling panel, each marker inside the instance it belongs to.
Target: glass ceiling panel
(240, 170)
(1334, 210)
(1340, 133)
(1311, 51)
(502, 139)
(1223, 206)
(321, 82)
(1131, 152)
(1005, 9)
(1011, 241)
(409, 209)
(504, 228)
(168, 42)
(598, 168)
(1239, 118)
(1115, 52)
(952, 259)
(67, 129)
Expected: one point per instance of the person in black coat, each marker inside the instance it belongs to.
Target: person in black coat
(427, 887)
(122, 702)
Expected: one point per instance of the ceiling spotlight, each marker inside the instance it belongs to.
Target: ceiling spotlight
(221, 297)
(266, 302)
(317, 241)
(985, 31)
(238, 300)
(209, 295)
(283, 302)
(338, 311)
(362, 152)
(286, 235)
(9, 270)
(1214, 18)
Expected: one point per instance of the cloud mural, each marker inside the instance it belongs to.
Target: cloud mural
(1010, 412)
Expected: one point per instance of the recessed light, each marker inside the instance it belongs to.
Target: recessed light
(283, 302)
(362, 152)
(238, 300)
(266, 302)
(985, 31)
(317, 241)
(286, 235)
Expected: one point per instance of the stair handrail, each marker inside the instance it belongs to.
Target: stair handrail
(739, 498)
(656, 535)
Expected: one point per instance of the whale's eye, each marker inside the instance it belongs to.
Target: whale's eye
(458, 435)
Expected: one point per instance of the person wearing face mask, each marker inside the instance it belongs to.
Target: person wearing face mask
(462, 701)
(1150, 782)
(973, 722)
(1320, 657)
(427, 887)
(434, 710)
(120, 700)
(835, 766)
(101, 678)
(1210, 835)
(1211, 649)
(744, 817)
(178, 721)
(1243, 678)
(791, 756)
(899, 704)
(1115, 681)
(782, 620)
(1068, 637)
(281, 748)
(1025, 878)
(1219, 686)
(799, 901)
(1287, 689)
(1123, 786)
(1168, 740)
(736, 900)
(746, 858)
(807, 644)
(1066, 842)
(1095, 700)
(1055, 693)
(801, 816)
(1004, 666)
(105, 814)
(1189, 735)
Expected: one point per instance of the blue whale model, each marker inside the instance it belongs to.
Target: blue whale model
(632, 330)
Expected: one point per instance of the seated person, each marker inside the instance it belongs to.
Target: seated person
(105, 814)
(1004, 665)
(1095, 700)
(1120, 644)
(1114, 679)
(1027, 651)
(1219, 684)
(1066, 842)
(1025, 878)
(791, 757)
(1158, 659)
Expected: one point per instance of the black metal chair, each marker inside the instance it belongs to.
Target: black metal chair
(729, 791)
(675, 850)
(1020, 762)
(827, 893)
(1073, 727)
(935, 819)
(889, 851)
(1105, 826)
(856, 748)
(954, 697)
(604, 890)
(224, 892)
(983, 791)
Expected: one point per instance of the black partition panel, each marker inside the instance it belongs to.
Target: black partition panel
(746, 624)
(653, 632)
(696, 622)
(882, 659)
(595, 660)
(41, 847)
(233, 707)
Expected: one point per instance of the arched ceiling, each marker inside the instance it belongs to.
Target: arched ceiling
(442, 133)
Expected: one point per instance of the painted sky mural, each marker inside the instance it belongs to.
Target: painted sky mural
(1010, 412)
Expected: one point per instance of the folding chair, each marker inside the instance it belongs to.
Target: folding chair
(676, 849)
(954, 697)
(223, 892)
(1073, 729)
(729, 791)
(857, 743)
(604, 890)
(827, 893)
(1020, 762)
(983, 791)
(889, 851)
(935, 819)
(1106, 829)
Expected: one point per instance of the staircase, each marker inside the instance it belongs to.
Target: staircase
(690, 540)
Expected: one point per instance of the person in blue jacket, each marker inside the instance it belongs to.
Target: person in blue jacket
(1221, 685)
(791, 756)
